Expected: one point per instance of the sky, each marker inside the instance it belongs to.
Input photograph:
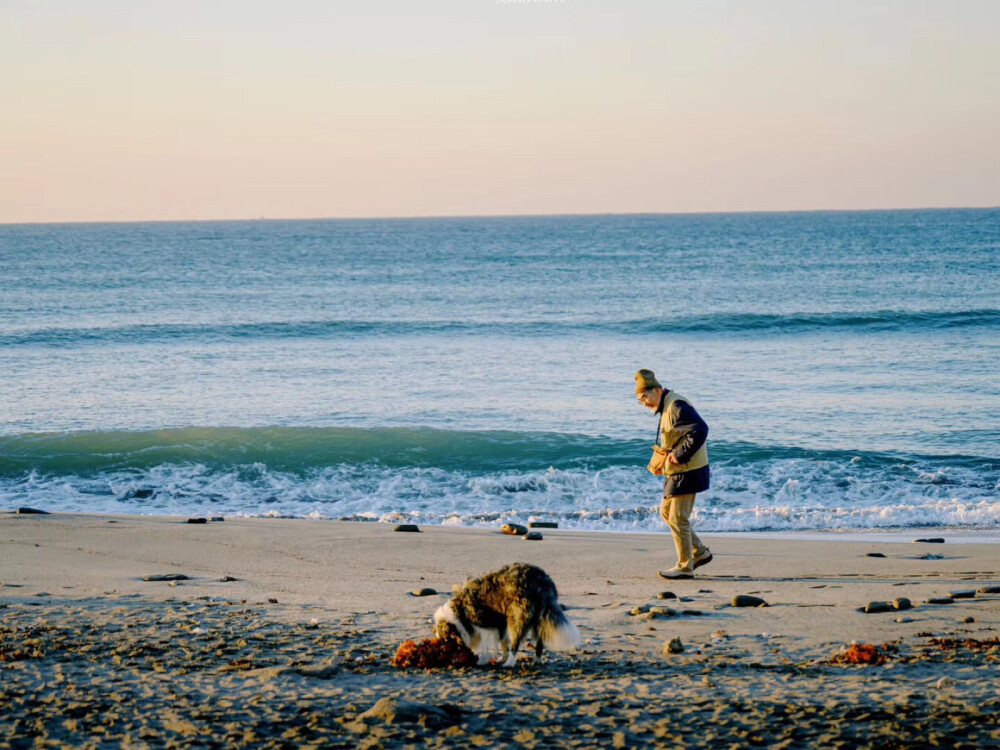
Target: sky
(217, 109)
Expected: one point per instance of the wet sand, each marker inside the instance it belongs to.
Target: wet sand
(281, 634)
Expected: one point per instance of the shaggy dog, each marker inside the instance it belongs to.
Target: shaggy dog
(504, 607)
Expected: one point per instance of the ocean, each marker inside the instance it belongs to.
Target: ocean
(475, 371)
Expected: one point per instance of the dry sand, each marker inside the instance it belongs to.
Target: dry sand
(295, 651)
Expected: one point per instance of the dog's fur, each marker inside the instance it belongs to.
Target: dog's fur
(502, 608)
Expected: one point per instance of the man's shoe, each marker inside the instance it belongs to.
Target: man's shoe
(703, 559)
(675, 574)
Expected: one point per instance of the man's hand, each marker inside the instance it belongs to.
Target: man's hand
(672, 459)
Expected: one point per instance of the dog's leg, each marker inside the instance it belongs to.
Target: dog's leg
(539, 647)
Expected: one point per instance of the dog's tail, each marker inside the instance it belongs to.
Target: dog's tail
(557, 631)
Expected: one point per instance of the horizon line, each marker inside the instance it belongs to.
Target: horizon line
(412, 217)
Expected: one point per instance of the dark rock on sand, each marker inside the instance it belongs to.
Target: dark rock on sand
(940, 600)
(216, 519)
(393, 710)
(424, 592)
(533, 536)
(744, 600)
(513, 529)
(666, 595)
(692, 612)
(673, 646)
(874, 554)
(931, 540)
(876, 607)
(988, 590)
(31, 512)
(929, 556)
(968, 620)
(902, 603)
(166, 577)
(408, 527)
(543, 525)
(197, 520)
(964, 594)
(228, 579)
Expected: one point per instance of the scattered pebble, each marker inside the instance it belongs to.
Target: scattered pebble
(964, 594)
(166, 577)
(216, 519)
(945, 682)
(31, 512)
(904, 619)
(533, 536)
(931, 540)
(673, 646)
(989, 590)
(929, 556)
(744, 600)
(424, 592)
(876, 607)
(968, 620)
(666, 595)
(407, 527)
(902, 603)
(940, 600)
(543, 525)
(875, 554)
(513, 529)
(228, 579)
(197, 520)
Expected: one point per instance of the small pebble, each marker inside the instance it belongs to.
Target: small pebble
(513, 529)
(533, 536)
(424, 592)
(666, 595)
(543, 525)
(989, 590)
(197, 520)
(875, 554)
(673, 646)
(945, 682)
(940, 600)
(166, 577)
(904, 619)
(216, 519)
(931, 540)
(902, 603)
(968, 620)
(876, 607)
(965, 594)
(31, 512)
(929, 556)
(408, 527)
(228, 579)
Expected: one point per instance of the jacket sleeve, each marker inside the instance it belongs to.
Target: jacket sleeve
(688, 421)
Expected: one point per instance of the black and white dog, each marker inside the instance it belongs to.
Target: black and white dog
(502, 608)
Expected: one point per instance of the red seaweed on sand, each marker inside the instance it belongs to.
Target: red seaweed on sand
(433, 652)
(865, 653)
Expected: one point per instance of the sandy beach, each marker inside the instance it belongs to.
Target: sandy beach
(281, 634)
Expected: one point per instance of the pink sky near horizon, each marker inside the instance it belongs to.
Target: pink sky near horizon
(120, 111)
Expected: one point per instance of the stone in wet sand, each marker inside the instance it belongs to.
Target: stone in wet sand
(902, 603)
(666, 595)
(930, 540)
(940, 600)
(543, 525)
(513, 529)
(31, 512)
(533, 536)
(424, 592)
(968, 620)
(745, 600)
(166, 577)
(988, 590)
(407, 527)
(874, 554)
(876, 607)
(964, 594)
(393, 710)
(197, 520)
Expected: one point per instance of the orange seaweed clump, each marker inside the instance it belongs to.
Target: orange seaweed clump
(433, 652)
(865, 653)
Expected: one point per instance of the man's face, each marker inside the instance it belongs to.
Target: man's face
(650, 399)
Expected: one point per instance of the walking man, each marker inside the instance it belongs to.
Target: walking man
(681, 433)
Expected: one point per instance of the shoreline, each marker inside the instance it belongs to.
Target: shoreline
(282, 632)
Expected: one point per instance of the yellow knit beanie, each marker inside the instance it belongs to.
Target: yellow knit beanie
(645, 380)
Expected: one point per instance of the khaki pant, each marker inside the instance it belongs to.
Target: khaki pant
(675, 510)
